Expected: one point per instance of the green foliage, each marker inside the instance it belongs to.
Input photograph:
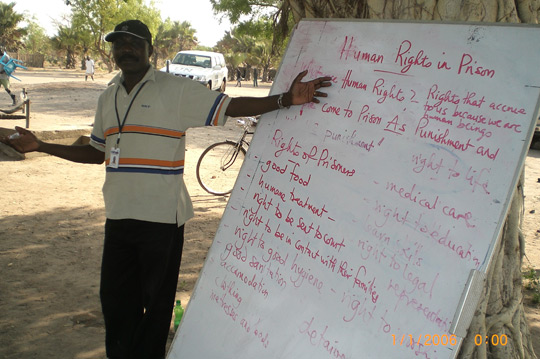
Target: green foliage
(532, 283)
(235, 9)
(99, 17)
(69, 41)
(203, 48)
(259, 41)
(36, 41)
(172, 37)
(259, 28)
(250, 45)
(274, 13)
(11, 34)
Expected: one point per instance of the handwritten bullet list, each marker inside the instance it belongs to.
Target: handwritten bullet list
(362, 216)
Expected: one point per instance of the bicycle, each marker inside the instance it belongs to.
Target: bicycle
(230, 155)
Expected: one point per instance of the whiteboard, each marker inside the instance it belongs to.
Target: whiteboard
(354, 223)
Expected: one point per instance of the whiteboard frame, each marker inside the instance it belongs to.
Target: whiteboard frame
(497, 235)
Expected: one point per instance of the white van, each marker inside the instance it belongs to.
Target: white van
(206, 67)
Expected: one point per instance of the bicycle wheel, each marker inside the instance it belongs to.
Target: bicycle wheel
(218, 167)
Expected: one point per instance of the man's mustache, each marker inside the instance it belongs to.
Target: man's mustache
(128, 57)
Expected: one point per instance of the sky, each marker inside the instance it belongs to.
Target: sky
(198, 12)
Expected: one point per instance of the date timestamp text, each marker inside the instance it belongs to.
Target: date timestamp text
(494, 339)
(447, 340)
(425, 339)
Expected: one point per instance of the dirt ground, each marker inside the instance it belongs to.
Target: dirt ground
(52, 216)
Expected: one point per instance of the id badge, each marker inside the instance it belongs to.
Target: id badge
(114, 158)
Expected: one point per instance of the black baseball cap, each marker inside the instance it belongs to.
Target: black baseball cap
(132, 27)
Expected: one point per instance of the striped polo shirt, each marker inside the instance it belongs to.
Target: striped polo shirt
(148, 183)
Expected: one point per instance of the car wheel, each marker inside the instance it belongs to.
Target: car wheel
(209, 85)
(223, 85)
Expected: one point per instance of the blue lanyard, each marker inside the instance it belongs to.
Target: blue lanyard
(121, 125)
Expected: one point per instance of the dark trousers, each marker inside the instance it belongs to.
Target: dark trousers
(139, 274)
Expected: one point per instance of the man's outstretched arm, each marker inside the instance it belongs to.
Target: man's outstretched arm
(299, 94)
(26, 142)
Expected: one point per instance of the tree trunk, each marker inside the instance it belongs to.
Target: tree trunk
(266, 69)
(106, 57)
(503, 292)
(501, 309)
(70, 59)
(525, 11)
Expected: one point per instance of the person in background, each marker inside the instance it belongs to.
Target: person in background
(89, 64)
(238, 77)
(139, 133)
(255, 77)
(4, 77)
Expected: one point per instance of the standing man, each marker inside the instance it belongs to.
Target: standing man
(139, 132)
(4, 77)
(89, 64)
